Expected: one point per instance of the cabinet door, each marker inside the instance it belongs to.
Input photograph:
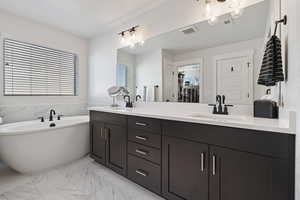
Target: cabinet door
(185, 170)
(98, 143)
(238, 175)
(116, 149)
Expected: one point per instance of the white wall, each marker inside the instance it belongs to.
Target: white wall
(255, 45)
(149, 73)
(18, 28)
(292, 94)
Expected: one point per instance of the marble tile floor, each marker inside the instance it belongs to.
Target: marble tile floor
(81, 180)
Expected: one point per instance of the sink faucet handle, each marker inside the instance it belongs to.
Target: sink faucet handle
(59, 117)
(42, 119)
(214, 109)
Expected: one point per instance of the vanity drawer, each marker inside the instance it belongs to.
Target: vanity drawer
(109, 118)
(142, 151)
(143, 123)
(144, 137)
(144, 173)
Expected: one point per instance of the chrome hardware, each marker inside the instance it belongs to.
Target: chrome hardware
(140, 124)
(141, 172)
(202, 162)
(144, 153)
(141, 138)
(214, 165)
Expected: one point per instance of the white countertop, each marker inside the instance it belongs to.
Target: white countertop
(237, 121)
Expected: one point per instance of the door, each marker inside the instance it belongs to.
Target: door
(185, 170)
(98, 144)
(170, 81)
(116, 148)
(234, 79)
(238, 175)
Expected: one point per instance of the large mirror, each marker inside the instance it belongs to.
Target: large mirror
(196, 63)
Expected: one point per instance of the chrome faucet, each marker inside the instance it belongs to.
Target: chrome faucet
(52, 113)
(220, 107)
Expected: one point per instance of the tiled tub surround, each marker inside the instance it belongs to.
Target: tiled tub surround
(16, 113)
(81, 180)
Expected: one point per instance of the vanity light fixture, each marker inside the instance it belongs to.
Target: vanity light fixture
(213, 14)
(132, 37)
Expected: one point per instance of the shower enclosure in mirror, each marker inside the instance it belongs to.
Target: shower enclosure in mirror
(196, 65)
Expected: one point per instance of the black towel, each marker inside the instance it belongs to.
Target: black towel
(271, 70)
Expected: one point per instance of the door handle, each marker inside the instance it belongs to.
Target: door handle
(140, 124)
(214, 165)
(141, 172)
(141, 138)
(202, 162)
(101, 132)
(144, 153)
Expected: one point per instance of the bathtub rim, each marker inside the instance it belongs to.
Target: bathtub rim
(85, 119)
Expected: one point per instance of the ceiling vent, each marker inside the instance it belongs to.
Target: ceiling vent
(189, 30)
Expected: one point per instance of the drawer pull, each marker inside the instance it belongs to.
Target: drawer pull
(144, 153)
(141, 172)
(140, 124)
(214, 165)
(202, 162)
(141, 138)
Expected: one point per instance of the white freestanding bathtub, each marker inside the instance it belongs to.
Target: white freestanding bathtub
(34, 146)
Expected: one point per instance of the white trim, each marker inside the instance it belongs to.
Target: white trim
(191, 62)
(246, 53)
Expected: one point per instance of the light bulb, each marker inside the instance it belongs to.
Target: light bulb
(213, 20)
(236, 13)
(237, 9)
(123, 40)
(208, 9)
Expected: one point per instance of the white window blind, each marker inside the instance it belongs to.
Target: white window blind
(32, 70)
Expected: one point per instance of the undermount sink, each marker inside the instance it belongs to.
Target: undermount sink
(219, 117)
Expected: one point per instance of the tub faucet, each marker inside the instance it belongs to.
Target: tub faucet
(52, 113)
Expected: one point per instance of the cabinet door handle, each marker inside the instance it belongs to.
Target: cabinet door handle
(144, 153)
(141, 138)
(141, 172)
(202, 161)
(214, 165)
(106, 132)
(101, 132)
(140, 124)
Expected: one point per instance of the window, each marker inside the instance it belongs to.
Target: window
(32, 70)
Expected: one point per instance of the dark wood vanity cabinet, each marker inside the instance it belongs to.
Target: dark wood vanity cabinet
(98, 142)
(200, 163)
(185, 169)
(238, 175)
(144, 152)
(188, 161)
(109, 140)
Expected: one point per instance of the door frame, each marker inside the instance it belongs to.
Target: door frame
(201, 74)
(247, 53)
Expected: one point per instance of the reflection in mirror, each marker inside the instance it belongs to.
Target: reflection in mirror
(196, 63)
